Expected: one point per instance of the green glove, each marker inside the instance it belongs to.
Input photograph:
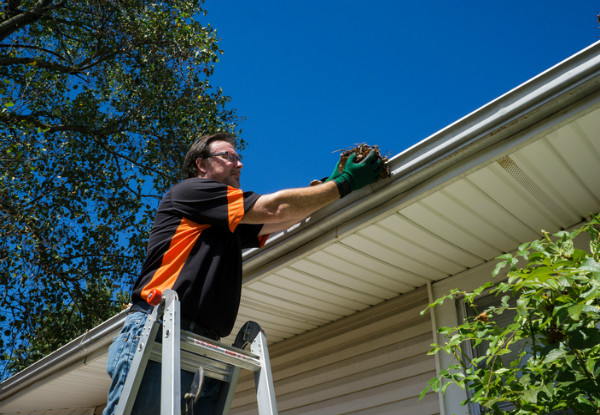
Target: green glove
(336, 172)
(357, 175)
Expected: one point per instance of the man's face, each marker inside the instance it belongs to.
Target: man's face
(218, 167)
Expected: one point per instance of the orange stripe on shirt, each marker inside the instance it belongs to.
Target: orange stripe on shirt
(262, 240)
(235, 207)
(174, 258)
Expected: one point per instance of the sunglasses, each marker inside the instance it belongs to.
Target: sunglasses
(230, 156)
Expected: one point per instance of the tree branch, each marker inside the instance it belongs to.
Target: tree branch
(24, 18)
(20, 46)
(95, 134)
(68, 69)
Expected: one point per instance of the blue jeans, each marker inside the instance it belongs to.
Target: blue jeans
(120, 357)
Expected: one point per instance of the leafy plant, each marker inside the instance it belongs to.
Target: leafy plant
(555, 333)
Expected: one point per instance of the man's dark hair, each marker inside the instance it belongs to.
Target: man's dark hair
(201, 149)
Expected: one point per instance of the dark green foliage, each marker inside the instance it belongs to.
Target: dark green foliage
(99, 101)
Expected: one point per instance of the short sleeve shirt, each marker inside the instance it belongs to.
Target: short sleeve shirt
(195, 248)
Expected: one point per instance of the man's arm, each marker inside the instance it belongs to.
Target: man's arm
(279, 210)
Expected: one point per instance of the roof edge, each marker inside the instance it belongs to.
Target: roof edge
(555, 89)
(77, 349)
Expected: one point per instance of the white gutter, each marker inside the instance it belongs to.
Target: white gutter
(479, 136)
(76, 350)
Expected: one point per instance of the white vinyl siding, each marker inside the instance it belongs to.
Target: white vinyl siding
(373, 362)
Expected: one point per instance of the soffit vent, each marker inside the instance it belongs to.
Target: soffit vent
(512, 168)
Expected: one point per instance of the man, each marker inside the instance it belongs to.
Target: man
(195, 248)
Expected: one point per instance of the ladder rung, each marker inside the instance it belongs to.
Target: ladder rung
(191, 361)
(219, 351)
(193, 358)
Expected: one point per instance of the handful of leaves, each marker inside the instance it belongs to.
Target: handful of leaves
(361, 151)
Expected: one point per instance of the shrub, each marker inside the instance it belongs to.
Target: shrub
(554, 338)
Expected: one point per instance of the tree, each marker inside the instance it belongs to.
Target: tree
(555, 332)
(100, 100)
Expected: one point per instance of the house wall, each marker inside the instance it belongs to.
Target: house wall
(373, 362)
(447, 315)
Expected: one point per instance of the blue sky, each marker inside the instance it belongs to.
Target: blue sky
(315, 76)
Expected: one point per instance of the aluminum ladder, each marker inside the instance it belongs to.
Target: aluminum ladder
(177, 349)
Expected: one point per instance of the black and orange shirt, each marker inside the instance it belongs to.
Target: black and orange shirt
(195, 248)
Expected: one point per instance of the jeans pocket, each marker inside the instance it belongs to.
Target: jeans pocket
(122, 349)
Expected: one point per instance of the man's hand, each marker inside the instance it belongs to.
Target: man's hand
(336, 172)
(357, 175)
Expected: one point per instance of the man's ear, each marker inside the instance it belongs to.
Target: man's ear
(202, 165)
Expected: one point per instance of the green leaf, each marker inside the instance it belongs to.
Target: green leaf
(445, 330)
(567, 247)
(575, 311)
(434, 350)
(543, 272)
(530, 395)
(583, 400)
(522, 306)
(447, 385)
(584, 338)
(499, 266)
(522, 251)
(433, 384)
(589, 265)
(554, 355)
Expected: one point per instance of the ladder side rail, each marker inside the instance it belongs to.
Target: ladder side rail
(170, 396)
(138, 364)
(263, 379)
(231, 390)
